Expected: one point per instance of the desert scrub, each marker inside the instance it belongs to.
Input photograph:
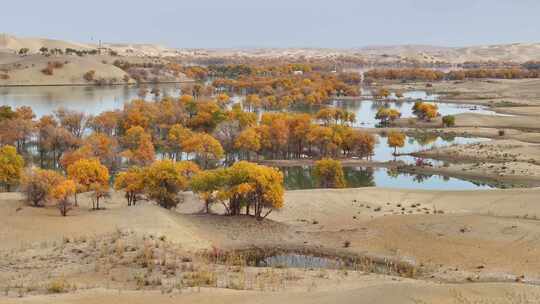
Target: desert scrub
(59, 285)
(200, 278)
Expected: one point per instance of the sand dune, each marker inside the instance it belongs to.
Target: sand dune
(454, 242)
(27, 70)
(517, 52)
(383, 292)
(12, 43)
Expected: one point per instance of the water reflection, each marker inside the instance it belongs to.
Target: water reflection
(365, 110)
(300, 177)
(88, 99)
(420, 142)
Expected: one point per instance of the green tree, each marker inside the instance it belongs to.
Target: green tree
(449, 121)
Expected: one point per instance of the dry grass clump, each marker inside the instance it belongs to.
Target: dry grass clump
(199, 278)
(89, 76)
(125, 260)
(51, 66)
(59, 285)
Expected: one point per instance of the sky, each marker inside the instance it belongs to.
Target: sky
(276, 23)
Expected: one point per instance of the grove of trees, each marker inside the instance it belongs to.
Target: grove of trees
(528, 70)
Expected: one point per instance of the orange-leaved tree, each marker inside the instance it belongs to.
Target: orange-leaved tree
(37, 185)
(248, 141)
(62, 192)
(205, 146)
(90, 175)
(140, 149)
(132, 182)
(176, 138)
(396, 140)
(425, 111)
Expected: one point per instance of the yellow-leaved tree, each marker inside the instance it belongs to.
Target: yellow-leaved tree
(11, 166)
(90, 175)
(329, 173)
(175, 140)
(165, 178)
(243, 185)
(132, 182)
(62, 192)
(248, 141)
(425, 111)
(205, 146)
(207, 184)
(396, 140)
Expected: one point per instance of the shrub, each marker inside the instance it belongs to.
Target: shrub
(48, 71)
(502, 132)
(58, 286)
(449, 121)
(37, 185)
(90, 75)
(56, 64)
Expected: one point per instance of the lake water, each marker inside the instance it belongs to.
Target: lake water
(383, 152)
(88, 99)
(300, 177)
(366, 110)
(96, 99)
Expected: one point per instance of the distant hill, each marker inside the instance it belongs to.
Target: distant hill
(12, 44)
(517, 52)
(9, 43)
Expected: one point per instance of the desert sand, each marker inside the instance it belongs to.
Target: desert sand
(494, 92)
(447, 236)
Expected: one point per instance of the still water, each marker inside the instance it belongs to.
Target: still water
(365, 110)
(383, 152)
(96, 99)
(300, 177)
(88, 99)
